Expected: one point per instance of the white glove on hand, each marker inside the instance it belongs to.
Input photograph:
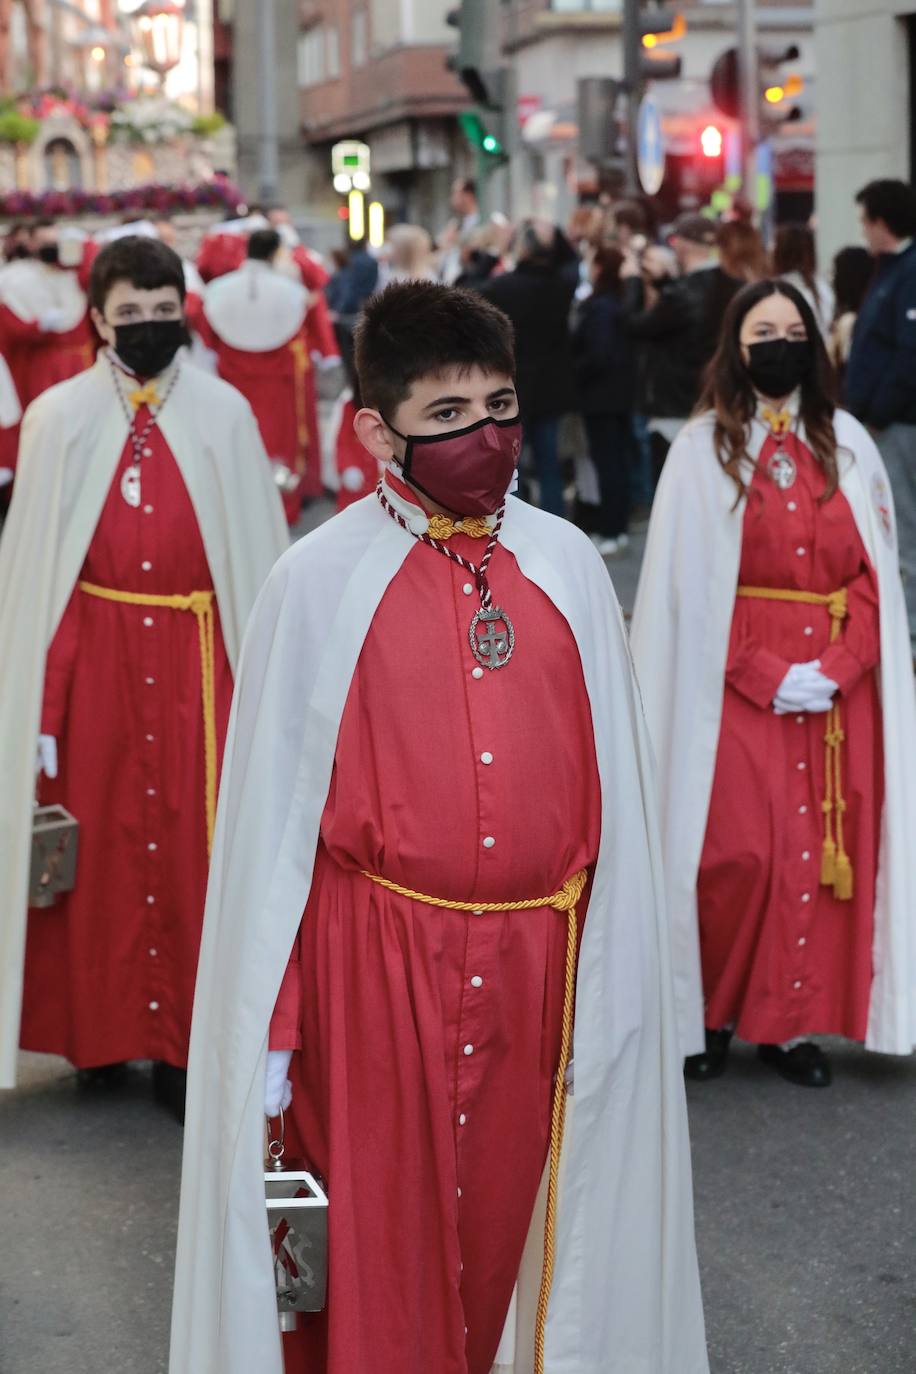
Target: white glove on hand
(46, 760)
(278, 1091)
(6, 476)
(804, 688)
(51, 321)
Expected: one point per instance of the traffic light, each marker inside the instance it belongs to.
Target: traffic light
(776, 90)
(481, 137)
(712, 141)
(657, 26)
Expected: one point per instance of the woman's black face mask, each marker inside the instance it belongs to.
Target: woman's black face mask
(777, 366)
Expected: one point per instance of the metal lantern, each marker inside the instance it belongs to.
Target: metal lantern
(160, 28)
(55, 840)
(285, 478)
(297, 1217)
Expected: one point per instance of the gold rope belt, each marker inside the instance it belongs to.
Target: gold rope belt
(200, 604)
(300, 370)
(836, 865)
(567, 899)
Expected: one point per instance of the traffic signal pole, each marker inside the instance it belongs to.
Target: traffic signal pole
(749, 81)
(632, 76)
(268, 134)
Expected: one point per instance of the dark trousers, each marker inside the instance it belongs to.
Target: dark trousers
(610, 443)
(543, 437)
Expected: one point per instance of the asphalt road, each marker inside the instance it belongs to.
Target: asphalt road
(806, 1215)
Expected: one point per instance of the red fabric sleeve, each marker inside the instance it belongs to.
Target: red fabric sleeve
(19, 331)
(59, 670)
(858, 650)
(197, 320)
(286, 1022)
(319, 330)
(753, 671)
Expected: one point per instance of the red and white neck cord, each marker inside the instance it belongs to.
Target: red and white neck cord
(478, 572)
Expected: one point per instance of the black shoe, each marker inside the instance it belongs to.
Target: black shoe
(103, 1077)
(806, 1064)
(169, 1086)
(712, 1063)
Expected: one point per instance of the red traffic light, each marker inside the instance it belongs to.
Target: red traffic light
(343, 212)
(711, 141)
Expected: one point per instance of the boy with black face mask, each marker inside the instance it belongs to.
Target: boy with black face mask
(143, 522)
(438, 758)
(45, 333)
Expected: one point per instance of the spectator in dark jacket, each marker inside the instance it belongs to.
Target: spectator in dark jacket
(603, 356)
(881, 373)
(537, 297)
(677, 323)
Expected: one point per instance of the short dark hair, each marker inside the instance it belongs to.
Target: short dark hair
(853, 269)
(892, 201)
(417, 329)
(146, 263)
(263, 244)
(468, 186)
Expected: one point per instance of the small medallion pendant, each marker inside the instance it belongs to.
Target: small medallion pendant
(494, 647)
(130, 485)
(782, 469)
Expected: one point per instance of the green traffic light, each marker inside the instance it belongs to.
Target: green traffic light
(490, 144)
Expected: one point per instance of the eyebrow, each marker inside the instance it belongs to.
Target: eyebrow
(465, 400)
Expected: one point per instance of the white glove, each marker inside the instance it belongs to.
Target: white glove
(6, 476)
(51, 321)
(278, 1091)
(46, 761)
(804, 688)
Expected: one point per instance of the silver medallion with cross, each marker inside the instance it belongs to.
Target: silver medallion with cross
(494, 647)
(782, 469)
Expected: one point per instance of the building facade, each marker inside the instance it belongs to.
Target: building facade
(866, 56)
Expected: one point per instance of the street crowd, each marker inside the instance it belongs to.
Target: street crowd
(397, 833)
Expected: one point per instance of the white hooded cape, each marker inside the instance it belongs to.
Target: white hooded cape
(256, 308)
(72, 439)
(626, 1294)
(31, 288)
(680, 634)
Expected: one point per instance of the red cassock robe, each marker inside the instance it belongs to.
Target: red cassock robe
(322, 343)
(275, 384)
(427, 1039)
(39, 359)
(782, 956)
(357, 470)
(110, 970)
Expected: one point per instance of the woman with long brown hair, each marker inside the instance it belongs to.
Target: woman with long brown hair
(770, 597)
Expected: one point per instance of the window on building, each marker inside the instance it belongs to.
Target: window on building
(567, 6)
(312, 56)
(359, 39)
(333, 71)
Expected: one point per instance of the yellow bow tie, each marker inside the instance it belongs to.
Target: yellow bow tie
(144, 396)
(443, 527)
(780, 421)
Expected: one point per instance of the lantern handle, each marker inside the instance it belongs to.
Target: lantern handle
(276, 1146)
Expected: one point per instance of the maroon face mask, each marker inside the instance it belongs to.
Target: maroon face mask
(468, 470)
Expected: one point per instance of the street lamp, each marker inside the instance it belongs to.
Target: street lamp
(160, 31)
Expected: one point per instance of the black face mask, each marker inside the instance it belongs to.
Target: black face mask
(778, 366)
(148, 346)
(49, 253)
(18, 251)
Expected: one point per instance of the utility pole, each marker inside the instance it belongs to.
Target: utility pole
(632, 77)
(749, 85)
(268, 136)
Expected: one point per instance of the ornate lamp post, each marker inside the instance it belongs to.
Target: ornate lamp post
(159, 26)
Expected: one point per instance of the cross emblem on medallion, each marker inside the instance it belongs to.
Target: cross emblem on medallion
(494, 647)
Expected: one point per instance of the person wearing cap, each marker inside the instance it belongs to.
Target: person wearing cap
(676, 320)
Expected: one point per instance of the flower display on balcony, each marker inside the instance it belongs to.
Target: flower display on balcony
(218, 194)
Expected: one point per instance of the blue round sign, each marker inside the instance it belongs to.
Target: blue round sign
(650, 148)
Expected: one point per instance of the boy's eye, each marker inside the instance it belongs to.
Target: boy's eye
(501, 403)
(445, 415)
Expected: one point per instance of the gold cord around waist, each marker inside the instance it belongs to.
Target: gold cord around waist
(200, 604)
(836, 865)
(567, 899)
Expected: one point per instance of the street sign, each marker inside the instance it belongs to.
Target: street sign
(650, 147)
(351, 159)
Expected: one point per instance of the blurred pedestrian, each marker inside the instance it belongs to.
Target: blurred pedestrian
(351, 285)
(481, 255)
(742, 254)
(853, 269)
(254, 320)
(537, 296)
(676, 322)
(410, 255)
(784, 715)
(605, 375)
(465, 217)
(144, 520)
(795, 260)
(881, 373)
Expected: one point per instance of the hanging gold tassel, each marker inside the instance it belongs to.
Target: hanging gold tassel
(843, 882)
(828, 862)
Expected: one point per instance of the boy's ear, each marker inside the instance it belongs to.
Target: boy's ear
(373, 434)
